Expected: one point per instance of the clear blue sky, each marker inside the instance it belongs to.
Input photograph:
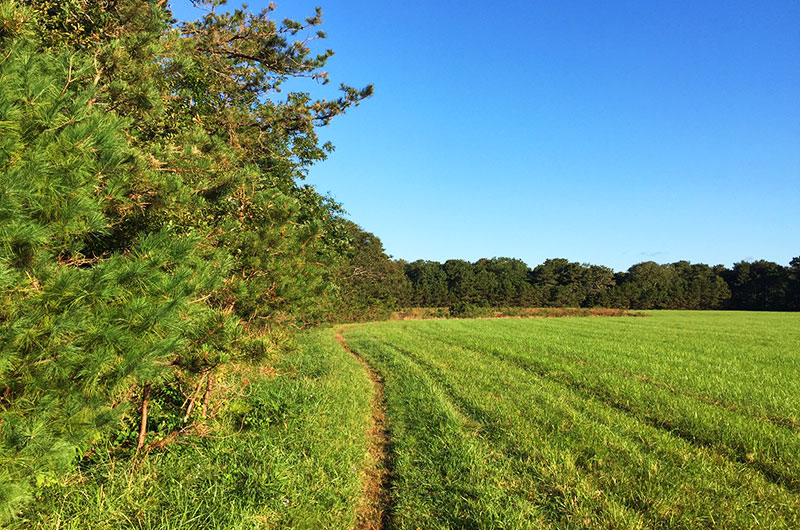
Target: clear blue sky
(603, 132)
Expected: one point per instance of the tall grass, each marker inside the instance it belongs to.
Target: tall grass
(289, 452)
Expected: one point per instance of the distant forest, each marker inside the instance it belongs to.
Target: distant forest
(376, 283)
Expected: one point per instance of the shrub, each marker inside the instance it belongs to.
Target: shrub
(467, 310)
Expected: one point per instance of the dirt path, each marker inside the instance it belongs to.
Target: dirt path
(373, 514)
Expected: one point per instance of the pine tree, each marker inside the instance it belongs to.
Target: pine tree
(153, 221)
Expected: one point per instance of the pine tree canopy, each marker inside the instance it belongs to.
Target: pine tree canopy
(153, 221)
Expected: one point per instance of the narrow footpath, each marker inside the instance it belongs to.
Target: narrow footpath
(373, 513)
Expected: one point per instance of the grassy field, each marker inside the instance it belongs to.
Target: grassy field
(681, 420)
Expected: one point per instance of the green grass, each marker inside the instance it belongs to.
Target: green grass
(682, 420)
(288, 453)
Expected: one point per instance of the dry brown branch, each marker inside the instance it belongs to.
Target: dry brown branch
(143, 426)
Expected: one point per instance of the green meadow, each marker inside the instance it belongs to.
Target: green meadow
(677, 420)
(680, 420)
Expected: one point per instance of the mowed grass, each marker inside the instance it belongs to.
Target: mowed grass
(289, 450)
(681, 420)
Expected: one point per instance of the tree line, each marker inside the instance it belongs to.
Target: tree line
(383, 284)
(759, 285)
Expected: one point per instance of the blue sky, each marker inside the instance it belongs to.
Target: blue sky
(603, 132)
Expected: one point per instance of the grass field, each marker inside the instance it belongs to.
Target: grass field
(681, 420)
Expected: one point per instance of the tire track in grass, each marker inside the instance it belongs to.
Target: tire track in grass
(772, 472)
(375, 512)
(779, 421)
(489, 431)
(447, 474)
(522, 455)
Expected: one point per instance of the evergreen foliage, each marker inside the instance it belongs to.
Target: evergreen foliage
(505, 282)
(153, 221)
(370, 285)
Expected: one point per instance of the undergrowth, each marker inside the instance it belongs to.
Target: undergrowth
(287, 451)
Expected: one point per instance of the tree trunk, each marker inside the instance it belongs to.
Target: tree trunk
(207, 395)
(143, 426)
